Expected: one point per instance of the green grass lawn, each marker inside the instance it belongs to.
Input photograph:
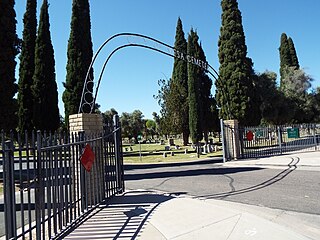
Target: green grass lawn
(153, 153)
(149, 148)
(176, 158)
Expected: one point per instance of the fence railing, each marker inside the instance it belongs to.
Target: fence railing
(260, 141)
(45, 187)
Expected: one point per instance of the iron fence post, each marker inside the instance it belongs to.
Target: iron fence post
(223, 141)
(82, 178)
(117, 139)
(9, 191)
(280, 139)
(121, 158)
(241, 132)
(315, 137)
(38, 189)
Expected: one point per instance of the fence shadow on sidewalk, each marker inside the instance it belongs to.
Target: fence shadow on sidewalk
(122, 217)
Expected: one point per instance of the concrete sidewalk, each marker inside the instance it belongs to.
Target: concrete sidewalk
(186, 218)
(146, 215)
(304, 161)
(150, 215)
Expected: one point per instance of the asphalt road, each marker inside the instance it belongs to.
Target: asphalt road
(286, 188)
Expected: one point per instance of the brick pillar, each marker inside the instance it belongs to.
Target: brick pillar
(232, 141)
(91, 125)
(87, 122)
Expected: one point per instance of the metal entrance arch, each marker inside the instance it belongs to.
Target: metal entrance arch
(90, 89)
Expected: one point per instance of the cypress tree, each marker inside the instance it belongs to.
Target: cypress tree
(44, 89)
(179, 109)
(26, 70)
(288, 57)
(285, 58)
(79, 57)
(194, 78)
(8, 51)
(205, 98)
(293, 54)
(235, 81)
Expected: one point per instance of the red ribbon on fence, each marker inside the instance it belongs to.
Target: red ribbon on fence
(87, 157)
(249, 136)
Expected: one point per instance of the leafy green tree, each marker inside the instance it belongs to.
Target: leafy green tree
(108, 117)
(266, 89)
(125, 125)
(161, 125)
(137, 123)
(165, 124)
(178, 108)
(156, 119)
(316, 104)
(44, 89)
(79, 58)
(213, 122)
(9, 48)
(253, 115)
(194, 88)
(27, 66)
(296, 86)
(97, 108)
(63, 128)
(296, 82)
(151, 127)
(294, 105)
(132, 124)
(309, 108)
(234, 86)
(274, 107)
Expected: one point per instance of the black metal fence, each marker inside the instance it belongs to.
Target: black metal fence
(46, 190)
(258, 141)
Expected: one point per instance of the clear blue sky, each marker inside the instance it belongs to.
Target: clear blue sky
(130, 79)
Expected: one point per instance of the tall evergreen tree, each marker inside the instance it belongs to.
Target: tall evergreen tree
(285, 59)
(26, 70)
(79, 57)
(233, 88)
(8, 51)
(194, 94)
(293, 54)
(288, 56)
(44, 88)
(205, 98)
(179, 109)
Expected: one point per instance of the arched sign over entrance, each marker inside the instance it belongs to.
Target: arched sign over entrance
(148, 43)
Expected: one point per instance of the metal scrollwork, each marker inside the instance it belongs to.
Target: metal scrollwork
(90, 89)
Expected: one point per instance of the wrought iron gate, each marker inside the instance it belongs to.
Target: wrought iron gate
(259, 141)
(47, 190)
